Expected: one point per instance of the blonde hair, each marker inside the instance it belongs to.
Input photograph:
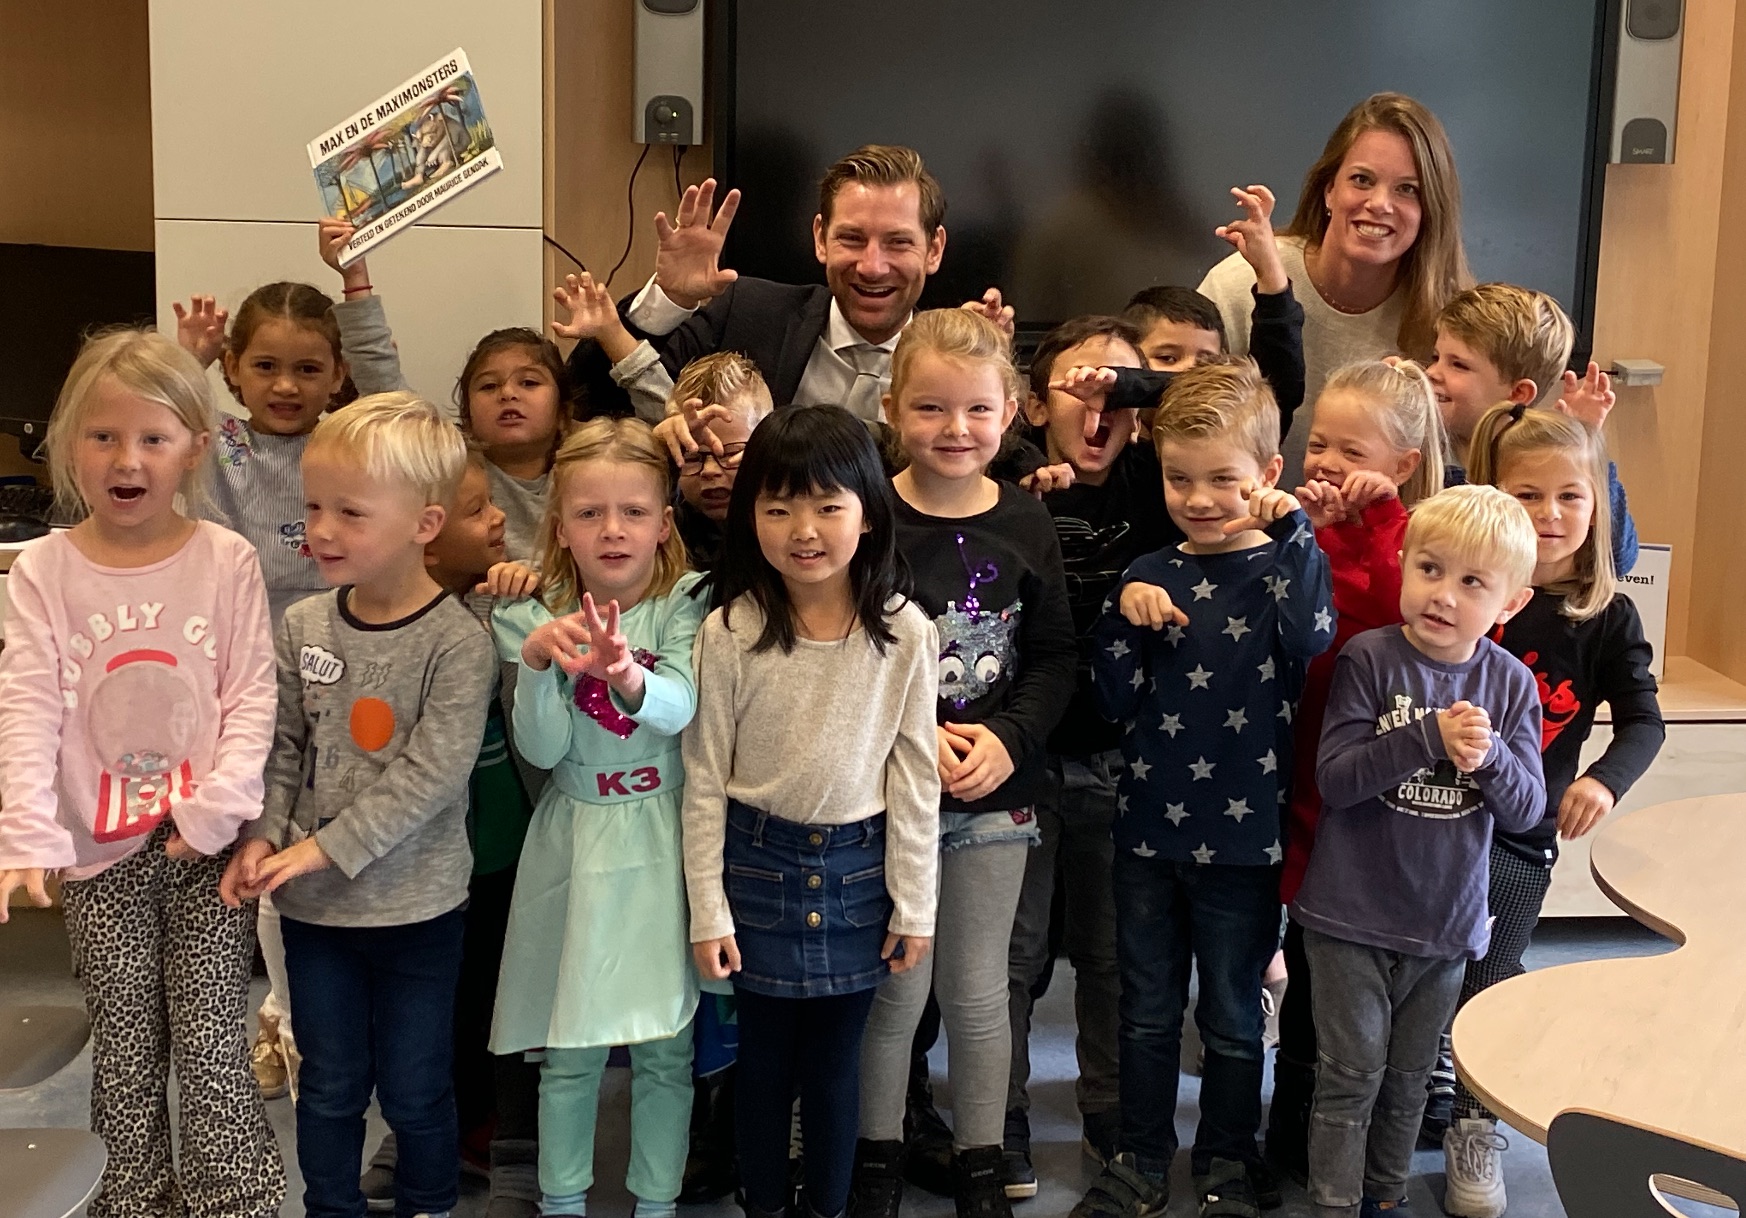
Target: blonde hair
(150, 366)
(725, 378)
(1504, 434)
(1398, 396)
(957, 334)
(397, 437)
(1435, 268)
(1523, 333)
(1483, 525)
(1226, 399)
(624, 441)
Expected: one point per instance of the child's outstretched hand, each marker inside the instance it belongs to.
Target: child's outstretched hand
(200, 327)
(1253, 237)
(1590, 399)
(1266, 505)
(1323, 503)
(717, 958)
(331, 235)
(592, 315)
(34, 881)
(1149, 605)
(679, 431)
(509, 581)
(1047, 478)
(994, 309)
(1364, 487)
(1585, 801)
(980, 763)
(1466, 732)
(1091, 386)
(915, 950)
(242, 875)
(608, 656)
(279, 869)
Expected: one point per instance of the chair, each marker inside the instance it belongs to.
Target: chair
(36, 1042)
(48, 1173)
(1602, 1168)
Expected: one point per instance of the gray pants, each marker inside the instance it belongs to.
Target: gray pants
(1077, 851)
(979, 888)
(1378, 1016)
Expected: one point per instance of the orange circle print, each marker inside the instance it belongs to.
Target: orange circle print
(372, 724)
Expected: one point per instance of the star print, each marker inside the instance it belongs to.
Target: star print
(1202, 768)
(1265, 668)
(1144, 851)
(1324, 620)
(1173, 633)
(1197, 678)
(1171, 725)
(1301, 535)
(1236, 719)
(1203, 856)
(1176, 562)
(1236, 627)
(1269, 763)
(1237, 809)
(1275, 852)
(1175, 813)
(1118, 649)
(1140, 768)
(1204, 589)
(1285, 711)
(1121, 805)
(1279, 587)
(1139, 679)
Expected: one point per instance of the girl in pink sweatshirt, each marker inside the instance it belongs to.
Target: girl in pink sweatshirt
(137, 696)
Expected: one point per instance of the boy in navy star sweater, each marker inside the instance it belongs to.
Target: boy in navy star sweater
(1202, 654)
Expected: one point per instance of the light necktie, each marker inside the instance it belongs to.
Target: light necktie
(871, 365)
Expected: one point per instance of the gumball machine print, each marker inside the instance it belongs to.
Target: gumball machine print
(143, 717)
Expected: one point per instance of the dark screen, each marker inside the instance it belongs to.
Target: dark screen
(1086, 149)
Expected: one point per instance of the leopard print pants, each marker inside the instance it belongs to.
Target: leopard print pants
(165, 968)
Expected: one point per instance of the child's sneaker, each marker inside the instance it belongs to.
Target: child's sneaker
(1017, 1174)
(1380, 1209)
(1473, 1169)
(1225, 1191)
(980, 1192)
(1100, 1131)
(267, 1060)
(1122, 1190)
(377, 1182)
(877, 1188)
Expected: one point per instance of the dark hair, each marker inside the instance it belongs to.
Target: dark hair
(1070, 334)
(545, 353)
(1185, 306)
(885, 165)
(300, 303)
(802, 450)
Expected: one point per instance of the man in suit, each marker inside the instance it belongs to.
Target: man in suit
(880, 232)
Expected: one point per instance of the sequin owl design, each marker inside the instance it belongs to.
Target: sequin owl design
(977, 648)
(594, 699)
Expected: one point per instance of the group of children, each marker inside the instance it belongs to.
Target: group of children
(535, 737)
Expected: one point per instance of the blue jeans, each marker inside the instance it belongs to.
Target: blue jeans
(1223, 921)
(374, 1008)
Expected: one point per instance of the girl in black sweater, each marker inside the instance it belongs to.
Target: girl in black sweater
(1584, 643)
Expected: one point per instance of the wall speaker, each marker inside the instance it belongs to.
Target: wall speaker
(668, 92)
(1646, 88)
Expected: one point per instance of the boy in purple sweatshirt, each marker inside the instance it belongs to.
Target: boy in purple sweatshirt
(1432, 737)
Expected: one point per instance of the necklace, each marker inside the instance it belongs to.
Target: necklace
(1312, 259)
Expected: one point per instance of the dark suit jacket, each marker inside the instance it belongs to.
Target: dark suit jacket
(775, 325)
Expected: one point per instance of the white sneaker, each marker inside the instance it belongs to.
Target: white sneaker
(1473, 1169)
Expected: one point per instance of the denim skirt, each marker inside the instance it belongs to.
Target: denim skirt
(809, 903)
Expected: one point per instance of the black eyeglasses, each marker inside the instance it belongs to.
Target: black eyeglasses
(729, 459)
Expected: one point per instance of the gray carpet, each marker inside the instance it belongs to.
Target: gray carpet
(33, 969)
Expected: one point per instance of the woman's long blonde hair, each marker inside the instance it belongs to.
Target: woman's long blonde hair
(631, 442)
(1435, 268)
(1407, 409)
(1505, 433)
(146, 363)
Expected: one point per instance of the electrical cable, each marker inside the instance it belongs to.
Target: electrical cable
(557, 245)
(631, 218)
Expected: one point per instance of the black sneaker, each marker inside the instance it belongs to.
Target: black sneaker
(1225, 1191)
(928, 1163)
(1017, 1174)
(877, 1191)
(980, 1193)
(377, 1183)
(1439, 1098)
(1121, 1190)
(1101, 1130)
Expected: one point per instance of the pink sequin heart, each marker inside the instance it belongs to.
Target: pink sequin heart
(594, 699)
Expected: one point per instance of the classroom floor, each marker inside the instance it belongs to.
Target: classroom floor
(33, 969)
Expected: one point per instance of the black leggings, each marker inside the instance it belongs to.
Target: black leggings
(811, 1046)
(1297, 1023)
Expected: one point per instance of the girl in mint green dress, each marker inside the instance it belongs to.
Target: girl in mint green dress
(598, 950)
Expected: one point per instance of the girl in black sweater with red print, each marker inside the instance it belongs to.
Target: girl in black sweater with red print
(1584, 643)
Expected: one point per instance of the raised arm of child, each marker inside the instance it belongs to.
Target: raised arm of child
(1591, 399)
(1276, 318)
(200, 328)
(366, 341)
(1302, 581)
(589, 313)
